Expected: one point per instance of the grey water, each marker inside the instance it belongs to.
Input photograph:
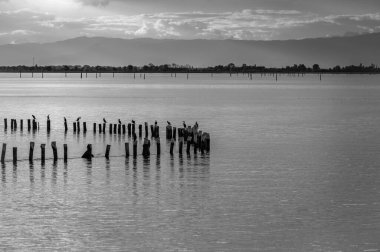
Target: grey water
(294, 165)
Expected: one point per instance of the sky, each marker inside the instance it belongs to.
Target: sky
(41, 21)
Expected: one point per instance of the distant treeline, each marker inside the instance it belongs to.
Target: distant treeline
(174, 68)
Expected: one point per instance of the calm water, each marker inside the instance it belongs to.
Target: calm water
(294, 165)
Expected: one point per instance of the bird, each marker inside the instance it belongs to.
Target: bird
(48, 117)
(184, 124)
(133, 122)
(168, 123)
(196, 124)
(119, 121)
(78, 119)
(104, 120)
(34, 117)
(64, 118)
(155, 122)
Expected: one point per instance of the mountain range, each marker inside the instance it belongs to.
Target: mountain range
(327, 52)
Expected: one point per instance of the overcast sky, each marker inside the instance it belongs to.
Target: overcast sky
(51, 20)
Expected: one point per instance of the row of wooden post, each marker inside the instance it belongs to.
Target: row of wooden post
(32, 124)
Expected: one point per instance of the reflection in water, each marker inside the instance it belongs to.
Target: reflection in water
(3, 174)
(108, 172)
(135, 180)
(89, 171)
(14, 174)
(54, 173)
(65, 172)
(43, 172)
(127, 166)
(31, 173)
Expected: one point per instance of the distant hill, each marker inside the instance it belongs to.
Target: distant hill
(327, 52)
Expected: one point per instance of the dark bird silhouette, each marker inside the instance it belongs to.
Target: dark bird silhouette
(133, 122)
(48, 117)
(78, 119)
(168, 123)
(196, 124)
(64, 118)
(119, 121)
(155, 122)
(104, 120)
(184, 124)
(34, 117)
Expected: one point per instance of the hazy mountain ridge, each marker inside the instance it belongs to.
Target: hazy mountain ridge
(114, 51)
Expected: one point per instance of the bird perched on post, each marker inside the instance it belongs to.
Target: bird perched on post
(78, 119)
(48, 117)
(168, 123)
(64, 119)
(133, 122)
(184, 124)
(104, 120)
(196, 124)
(155, 123)
(34, 118)
(119, 121)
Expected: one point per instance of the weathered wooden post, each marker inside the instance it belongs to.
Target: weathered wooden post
(134, 148)
(108, 151)
(78, 126)
(169, 132)
(88, 154)
(11, 124)
(207, 142)
(21, 124)
(15, 123)
(48, 125)
(94, 127)
(126, 149)
(14, 155)
(133, 128)
(180, 145)
(115, 128)
(158, 144)
(100, 128)
(146, 129)
(174, 133)
(110, 128)
(171, 146)
(84, 127)
(123, 129)
(74, 127)
(5, 123)
(34, 124)
(54, 147)
(195, 142)
(29, 125)
(31, 149)
(146, 145)
(140, 131)
(151, 131)
(3, 153)
(157, 131)
(65, 153)
(42, 153)
(129, 129)
(65, 125)
(104, 128)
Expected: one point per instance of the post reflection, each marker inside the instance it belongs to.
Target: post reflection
(135, 181)
(43, 172)
(31, 173)
(54, 173)
(65, 173)
(3, 174)
(14, 173)
(108, 172)
(88, 164)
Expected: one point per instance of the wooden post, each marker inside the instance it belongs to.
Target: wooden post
(140, 131)
(169, 134)
(65, 125)
(14, 155)
(110, 128)
(78, 126)
(174, 133)
(54, 147)
(115, 128)
(104, 128)
(157, 131)
(21, 124)
(151, 131)
(15, 124)
(119, 129)
(81, 75)
(3, 153)
(65, 153)
(94, 127)
(171, 147)
(42, 153)
(48, 125)
(29, 125)
(135, 148)
(84, 127)
(180, 145)
(126, 149)
(31, 149)
(74, 127)
(195, 142)
(100, 128)
(158, 146)
(5, 123)
(108, 151)
(123, 129)
(129, 129)
(34, 124)
(146, 129)
(207, 142)
(133, 128)
(11, 124)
